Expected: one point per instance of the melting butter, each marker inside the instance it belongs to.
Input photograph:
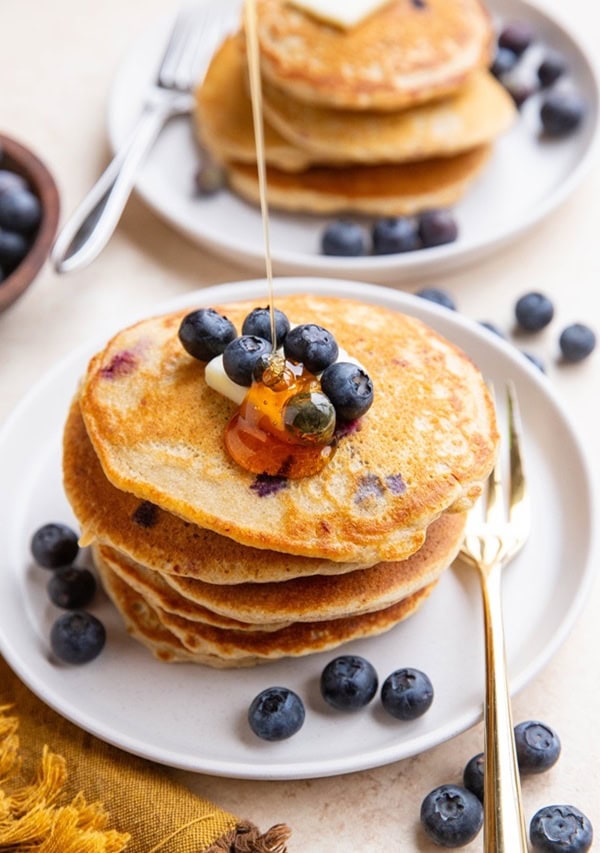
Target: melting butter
(342, 13)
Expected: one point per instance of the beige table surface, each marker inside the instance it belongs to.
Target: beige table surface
(57, 62)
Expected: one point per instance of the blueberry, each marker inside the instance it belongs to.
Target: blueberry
(504, 61)
(533, 311)
(407, 693)
(451, 815)
(560, 829)
(519, 91)
(473, 775)
(54, 546)
(561, 113)
(20, 210)
(395, 234)
(71, 588)
(437, 227)
(10, 181)
(440, 297)
(312, 345)
(535, 360)
(552, 66)
(344, 239)
(241, 355)
(349, 388)
(310, 416)
(576, 342)
(516, 36)
(205, 333)
(348, 682)
(491, 327)
(210, 177)
(538, 746)
(258, 322)
(77, 637)
(13, 248)
(276, 713)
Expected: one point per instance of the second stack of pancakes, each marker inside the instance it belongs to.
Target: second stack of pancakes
(391, 117)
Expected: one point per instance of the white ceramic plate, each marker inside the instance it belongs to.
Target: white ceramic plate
(193, 717)
(524, 181)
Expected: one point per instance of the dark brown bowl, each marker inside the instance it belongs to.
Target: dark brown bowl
(19, 159)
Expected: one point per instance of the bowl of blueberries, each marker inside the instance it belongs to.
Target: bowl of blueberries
(29, 210)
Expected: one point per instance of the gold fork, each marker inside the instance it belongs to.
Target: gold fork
(490, 543)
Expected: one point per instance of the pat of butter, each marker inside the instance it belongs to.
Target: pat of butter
(343, 13)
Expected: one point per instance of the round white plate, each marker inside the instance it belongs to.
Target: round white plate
(194, 717)
(524, 181)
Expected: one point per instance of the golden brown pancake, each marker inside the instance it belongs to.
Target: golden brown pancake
(403, 54)
(388, 189)
(426, 445)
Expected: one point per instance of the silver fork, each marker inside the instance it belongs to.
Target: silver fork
(195, 35)
(490, 543)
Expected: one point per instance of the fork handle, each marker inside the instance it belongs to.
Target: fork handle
(504, 823)
(92, 224)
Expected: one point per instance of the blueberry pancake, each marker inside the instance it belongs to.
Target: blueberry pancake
(425, 446)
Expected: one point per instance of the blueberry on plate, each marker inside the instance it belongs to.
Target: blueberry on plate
(576, 342)
(276, 714)
(493, 328)
(205, 333)
(241, 356)
(348, 682)
(551, 68)
(451, 816)
(344, 239)
(395, 234)
(54, 545)
(538, 746)
(503, 62)
(20, 210)
(440, 297)
(77, 637)
(560, 829)
(407, 693)
(437, 227)
(349, 388)
(311, 345)
(473, 775)
(533, 311)
(71, 588)
(258, 322)
(535, 360)
(516, 36)
(561, 113)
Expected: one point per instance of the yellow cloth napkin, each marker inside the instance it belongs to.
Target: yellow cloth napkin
(64, 791)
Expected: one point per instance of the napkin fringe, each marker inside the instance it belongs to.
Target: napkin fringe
(31, 820)
(247, 838)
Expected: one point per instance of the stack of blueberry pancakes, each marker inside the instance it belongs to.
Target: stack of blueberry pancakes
(211, 563)
(390, 116)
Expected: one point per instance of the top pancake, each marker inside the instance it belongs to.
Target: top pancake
(426, 445)
(404, 53)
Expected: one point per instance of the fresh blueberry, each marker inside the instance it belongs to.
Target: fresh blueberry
(576, 342)
(241, 355)
(349, 388)
(437, 227)
(71, 588)
(258, 322)
(10, 181)
(310, 416)
(344, 239)
(276, 713)
(210, 177)
(395, 234)
(552, 66)
(516, 36)
(205, 333)
(312, 345)
(451, 816)
(538, 746)
(77, 637)
(348, 682)
(560, 829)
(504, 61)
(473, 775)
(407, 693)
(561, 113)
(535, 360)
(534, 311)
(20, 210)
(440, 297)
(493, 328)
(54, 546)
(13, 248)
